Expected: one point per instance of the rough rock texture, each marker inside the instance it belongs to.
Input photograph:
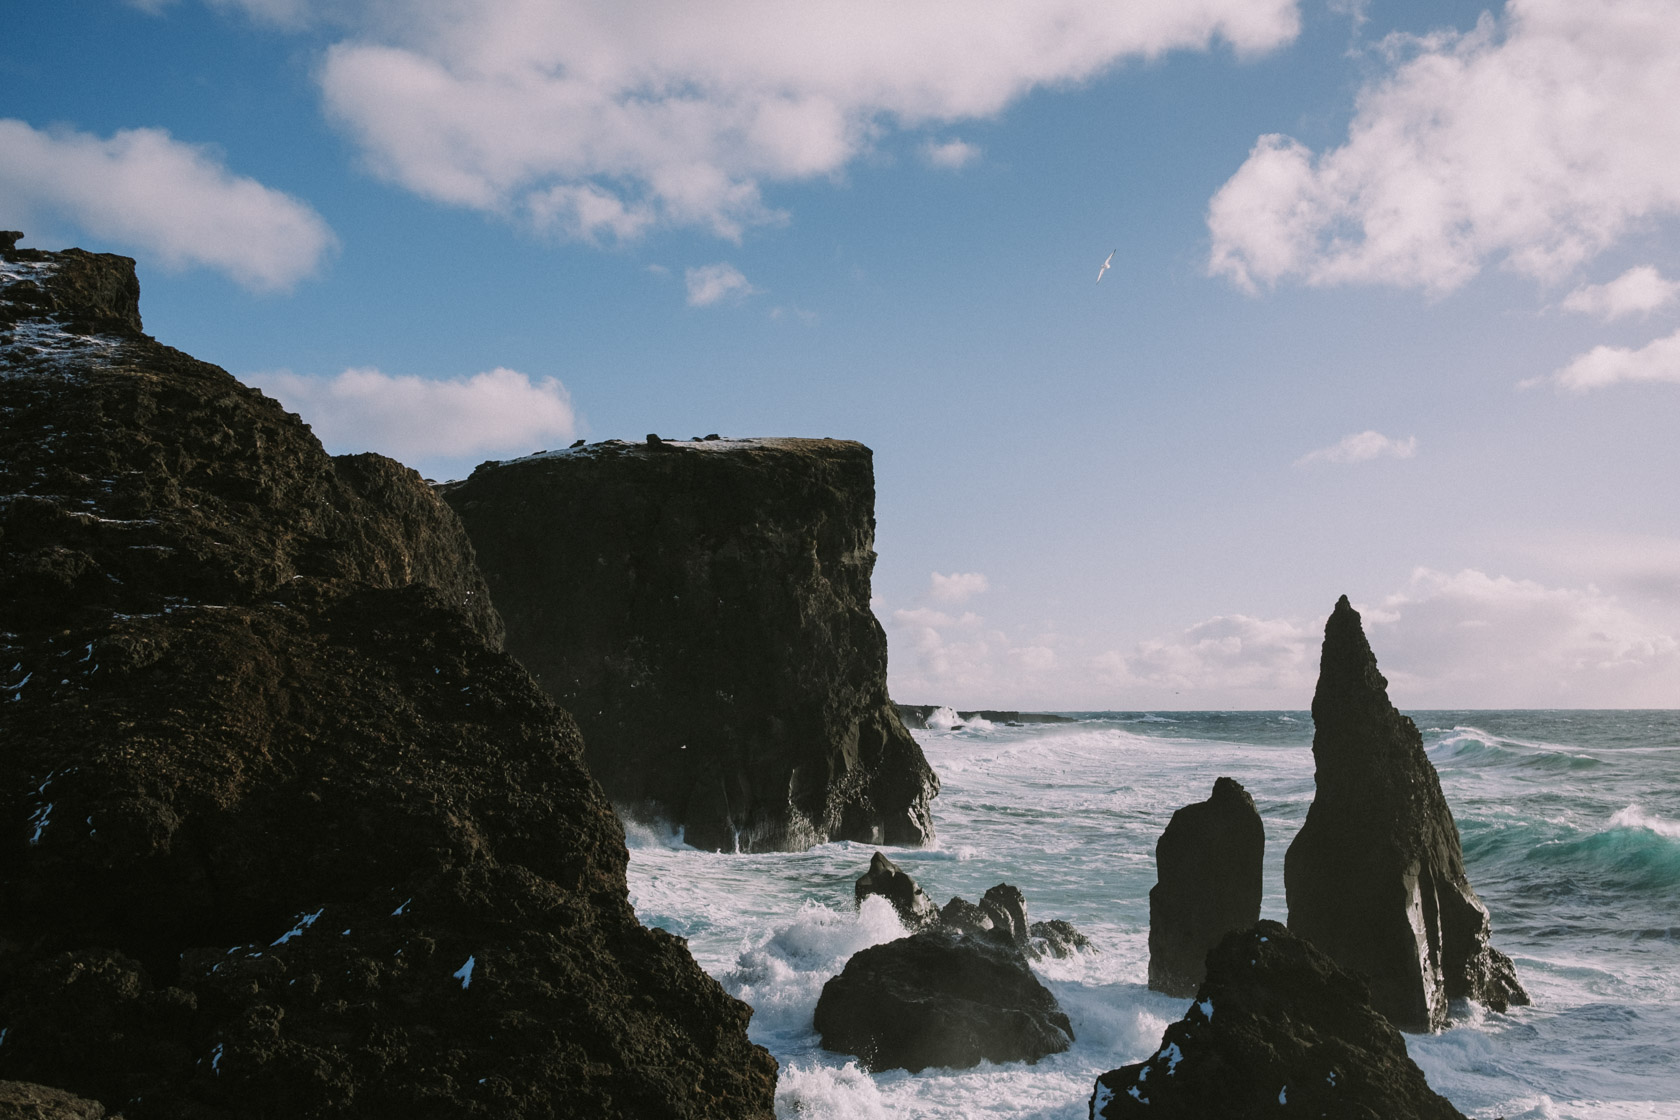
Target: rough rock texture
(1276, 1030)
(1208, 876)
(940, 998)
(21, 1100)
(282, 832)
(1006, 906)
(1056, 938)
(1376, 875)
(887, 879)
(702, 607)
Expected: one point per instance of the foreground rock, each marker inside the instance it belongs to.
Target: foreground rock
(1376, 877)
(940, 998)
(702, 607)
(885, 878)
(283, 834)
(20, 1100)
(1276, 1029)
(1208, 866)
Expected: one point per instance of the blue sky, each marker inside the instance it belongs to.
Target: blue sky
(1393, 310)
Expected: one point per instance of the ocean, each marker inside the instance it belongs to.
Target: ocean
(1571, 830)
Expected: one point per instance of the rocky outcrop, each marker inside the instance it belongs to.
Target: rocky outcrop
(702, 607)
(887, 879)
(20, 1100)
(1376, 876)
(1056, 938)
(940, 998)
(1276, 1029)
(283, 833)
(1208, 876)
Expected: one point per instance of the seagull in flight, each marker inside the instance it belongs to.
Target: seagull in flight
(1105, 266)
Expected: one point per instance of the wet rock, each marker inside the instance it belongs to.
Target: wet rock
(283, 833)
(1276, 1029)
(1375, 877)
(962, 916)
(887, 879)
(20, 1100)
(1208, 871)
(1007, 908)
(1056, 938)
(940, 998)
(704, 613)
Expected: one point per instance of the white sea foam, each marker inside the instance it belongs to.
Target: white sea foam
(1635, 817)
(942, 719)
(846, 1093)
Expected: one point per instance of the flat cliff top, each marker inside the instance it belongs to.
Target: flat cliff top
(821, 446)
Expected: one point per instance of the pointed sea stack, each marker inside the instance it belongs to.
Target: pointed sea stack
(1375, 877)
(702, 608)
(1208, 872)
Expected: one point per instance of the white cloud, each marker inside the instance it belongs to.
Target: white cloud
(952, 155)
(414, 418)
(1537, 139)
(1639, 290)
(957, 587)
(683, 112)
(1360, 447)
(1603, 366)
(1266, 659)
(145, 189)
(713, 283)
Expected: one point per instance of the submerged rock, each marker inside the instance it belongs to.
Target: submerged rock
(1375, 877)
(887, 879)
(283, 833)
(940, 998)
(1276, 1029)
(1208, 866)
(703, 609)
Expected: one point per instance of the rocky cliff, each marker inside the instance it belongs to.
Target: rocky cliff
(283, 833)
(1375, 877)
(702, 607)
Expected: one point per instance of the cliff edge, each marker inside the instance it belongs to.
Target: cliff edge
(702, 608)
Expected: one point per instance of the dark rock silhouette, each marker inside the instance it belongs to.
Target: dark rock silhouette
(1375, 877)
(1208, 869)
(283, 834)
(702, 608)
(962, 916)
(940, 998)
(1006, 906)
(887, 879)
(1276, 1029)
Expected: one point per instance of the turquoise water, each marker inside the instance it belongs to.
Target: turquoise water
(1571, 830)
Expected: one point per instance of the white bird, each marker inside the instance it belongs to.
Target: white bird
(1105, 266)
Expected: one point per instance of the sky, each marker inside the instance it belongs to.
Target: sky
(1394, 307)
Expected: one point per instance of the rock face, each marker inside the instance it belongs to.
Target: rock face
(20, 1100)
(1208, 878)
(282, 832)
(940, 998)
(1376, 876)
(1276, 1029)
(702, 607)
(887, 879)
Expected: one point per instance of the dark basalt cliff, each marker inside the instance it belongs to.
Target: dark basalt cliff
(1208, 866)
(1276, 1030)
(282, 832)
(703, 609)
(1375, 877)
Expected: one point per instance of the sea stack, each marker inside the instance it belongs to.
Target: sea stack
(1276, 1029)
(284, 834)
(891, 882)
(702, 608)
(1208, 877)
(1375, 877)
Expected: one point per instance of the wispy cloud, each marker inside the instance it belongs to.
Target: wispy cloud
(1638, 291)
(1603, 366)
(952, 155)
(144, 189)
(714, 283)
(1362, 447)
(415, 418)
(1537, 139)
(958, 587)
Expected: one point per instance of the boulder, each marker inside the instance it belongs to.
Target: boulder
(887, 879)
(1276, 1029)
(1208, 877)
(1056, 938)
(962, 916)
(20, 1100)
(702, 608)
(1006, 906)
(1375, 877)
(940, 998)
(283, 832)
